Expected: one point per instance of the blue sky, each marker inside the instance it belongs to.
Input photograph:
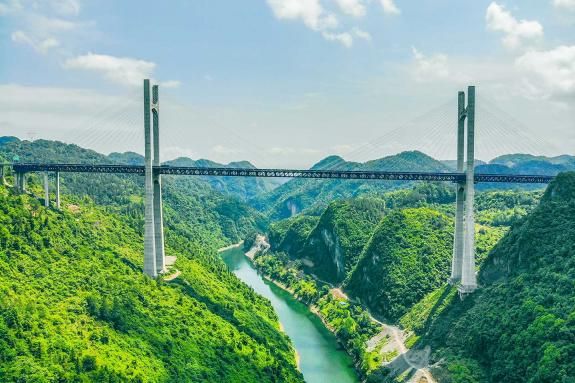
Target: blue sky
(286, 82)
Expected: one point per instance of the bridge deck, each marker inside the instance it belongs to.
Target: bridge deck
(284, 173)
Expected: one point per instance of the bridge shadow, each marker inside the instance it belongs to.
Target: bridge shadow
(447, 289)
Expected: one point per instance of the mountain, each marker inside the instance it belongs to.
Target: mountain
(312, 196)
(55, 151)
(514, 160)
(408, 256)
(332, 248)
(243, 188)
(525, 164)
(75, 306)
(289, 235)
(210, 217)
(520, 325)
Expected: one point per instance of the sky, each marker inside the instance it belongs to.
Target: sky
(284, 83)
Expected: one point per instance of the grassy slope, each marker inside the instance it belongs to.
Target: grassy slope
(75, 305)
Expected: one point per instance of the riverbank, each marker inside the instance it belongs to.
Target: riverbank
(319, 356)
(232, 246)
(383, 346)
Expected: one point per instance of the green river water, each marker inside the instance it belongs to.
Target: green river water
(322, 360)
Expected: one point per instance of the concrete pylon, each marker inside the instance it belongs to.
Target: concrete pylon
(468, 278)
(458, 239)
(157, 180)
(58, 190)
(149, 240)
(20, 182)
(46, 190)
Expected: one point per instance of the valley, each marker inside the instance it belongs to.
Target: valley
(364, 267)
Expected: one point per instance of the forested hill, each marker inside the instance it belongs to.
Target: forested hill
(520, 325)
(55, 151)
(191, 204)
(75, 306)
(299, 195)
(239, 187)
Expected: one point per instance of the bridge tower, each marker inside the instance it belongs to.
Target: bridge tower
(154, 259)
(149, 237)
(463, 261)
(157, 179)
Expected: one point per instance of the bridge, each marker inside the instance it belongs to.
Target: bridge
(463, 260)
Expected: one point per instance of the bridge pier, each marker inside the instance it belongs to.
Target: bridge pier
(149, 236)
(157, 181)
(57, 190)
(20, 181)
(458, 240)
(46, 190)
(468, 278)
(463, 261)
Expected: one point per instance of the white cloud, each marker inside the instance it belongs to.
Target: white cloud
(389, 7)
(516, 32)
(316, 18)
(429, 68)
(550, 73)
(354, 8)
(359, 33)
(41, 46)
(344, 38)
(310, 12)
(566, 4)
(121, 70)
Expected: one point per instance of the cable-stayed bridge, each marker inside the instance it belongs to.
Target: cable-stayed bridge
(281, 173)
(465, 178)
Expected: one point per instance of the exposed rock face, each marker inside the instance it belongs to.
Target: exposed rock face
(343, 230)
(408, 256)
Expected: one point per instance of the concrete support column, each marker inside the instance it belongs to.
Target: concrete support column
(468, 278)
(46, 190)
(458, 239)
(2, 174)
(157, 180)
(149, 240)
(20, 182)
(57, 190)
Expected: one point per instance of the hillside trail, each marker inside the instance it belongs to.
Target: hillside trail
(411, 359)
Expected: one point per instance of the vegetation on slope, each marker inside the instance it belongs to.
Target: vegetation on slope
(299, 195)
(336, 242)
(520, 325)
(407, 257)
(190, 204)
(289, 235)
(75, 306)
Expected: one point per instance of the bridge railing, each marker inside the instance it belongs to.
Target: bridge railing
(282, 173)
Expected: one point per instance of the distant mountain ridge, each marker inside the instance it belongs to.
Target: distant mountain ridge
(299, 195)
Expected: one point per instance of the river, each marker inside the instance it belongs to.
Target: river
(321, 358)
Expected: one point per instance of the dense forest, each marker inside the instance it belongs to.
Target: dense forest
(396, 249)
(74, 305)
